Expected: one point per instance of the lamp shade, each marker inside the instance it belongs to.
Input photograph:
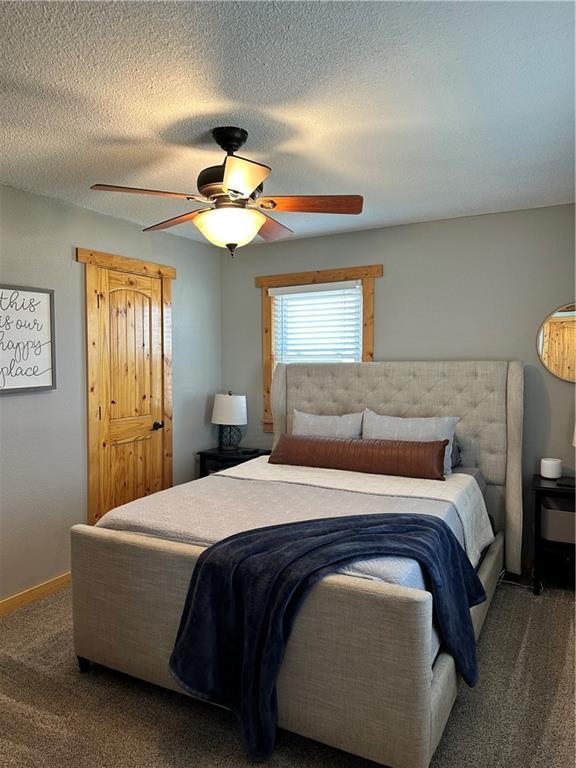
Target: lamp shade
(229, 226)
(229, 409)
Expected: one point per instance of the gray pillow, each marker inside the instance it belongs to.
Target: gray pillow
(456, 453)
(377, 427)
(314, 425)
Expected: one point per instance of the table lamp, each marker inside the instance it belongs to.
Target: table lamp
(229, 412)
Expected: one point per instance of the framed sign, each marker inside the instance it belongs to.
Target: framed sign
(27, 353)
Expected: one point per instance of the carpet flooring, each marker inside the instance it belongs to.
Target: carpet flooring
(520, 715)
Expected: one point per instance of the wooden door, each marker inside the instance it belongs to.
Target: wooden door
(128, 324)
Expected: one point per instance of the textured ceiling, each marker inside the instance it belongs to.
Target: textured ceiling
(430, 109)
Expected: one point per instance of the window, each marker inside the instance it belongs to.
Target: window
(316, 317)
(317, 323)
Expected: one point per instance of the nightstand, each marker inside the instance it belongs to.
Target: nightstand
(547, 489)
(214, 459)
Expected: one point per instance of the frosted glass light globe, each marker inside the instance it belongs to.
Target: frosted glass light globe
(229, 226)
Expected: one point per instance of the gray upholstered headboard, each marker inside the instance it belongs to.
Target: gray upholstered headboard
(486, 395)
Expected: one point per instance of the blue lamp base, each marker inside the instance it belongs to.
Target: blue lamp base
(229, 437)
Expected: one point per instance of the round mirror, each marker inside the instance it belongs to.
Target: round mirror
(556, 342)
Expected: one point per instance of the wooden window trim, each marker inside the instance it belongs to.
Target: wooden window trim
(365, 273)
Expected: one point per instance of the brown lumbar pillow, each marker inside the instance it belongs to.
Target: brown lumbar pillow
(378, 457)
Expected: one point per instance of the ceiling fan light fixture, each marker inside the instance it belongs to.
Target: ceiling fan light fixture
(242, 176)
(222, 226)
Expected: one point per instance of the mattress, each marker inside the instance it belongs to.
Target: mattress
(257, 494)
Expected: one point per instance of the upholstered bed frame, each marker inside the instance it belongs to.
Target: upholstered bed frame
(358, 672)
(486, 395)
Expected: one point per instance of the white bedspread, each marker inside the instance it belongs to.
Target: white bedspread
(257, 494)
(459, 489)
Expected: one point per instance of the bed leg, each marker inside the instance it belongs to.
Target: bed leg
(83, 664)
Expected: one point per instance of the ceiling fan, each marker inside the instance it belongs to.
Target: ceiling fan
(238, 211)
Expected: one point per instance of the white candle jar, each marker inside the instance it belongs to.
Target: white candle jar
(551, 469)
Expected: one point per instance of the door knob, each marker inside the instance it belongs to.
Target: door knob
(157, 425)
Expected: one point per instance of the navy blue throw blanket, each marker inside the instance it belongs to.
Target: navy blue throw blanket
(246, 590)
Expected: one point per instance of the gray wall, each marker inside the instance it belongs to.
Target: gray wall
(43, 435)
(475, 287)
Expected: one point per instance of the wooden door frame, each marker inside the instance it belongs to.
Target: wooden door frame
(93, 261)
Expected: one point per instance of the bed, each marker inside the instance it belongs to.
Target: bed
(362, 671)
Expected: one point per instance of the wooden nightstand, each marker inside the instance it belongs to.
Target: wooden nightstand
(546, 488)
(213, 459)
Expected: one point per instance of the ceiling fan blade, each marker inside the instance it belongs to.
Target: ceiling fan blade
(176, 220)
(138, 191)
(241, 176)
(311, 203)
(273, 230)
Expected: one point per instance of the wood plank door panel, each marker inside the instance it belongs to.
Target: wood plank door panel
(129, 452)
(558, 344)
(131, 449)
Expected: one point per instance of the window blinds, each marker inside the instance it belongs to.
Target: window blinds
(317, 323)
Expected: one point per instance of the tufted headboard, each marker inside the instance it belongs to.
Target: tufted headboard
(486, 395)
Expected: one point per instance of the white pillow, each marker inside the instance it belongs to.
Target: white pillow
(378, 427)
(314, 425)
